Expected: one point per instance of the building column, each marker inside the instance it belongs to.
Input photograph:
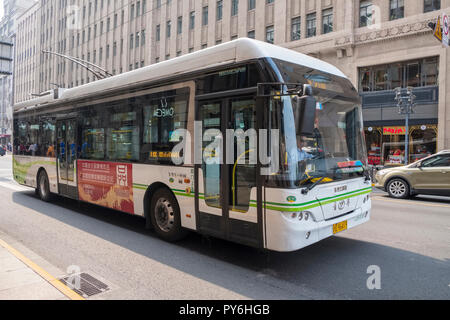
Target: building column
(444, 100)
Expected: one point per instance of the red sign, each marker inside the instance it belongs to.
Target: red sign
(394, 130)
(106, 184)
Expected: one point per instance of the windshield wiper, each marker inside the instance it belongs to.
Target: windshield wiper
(308, 189)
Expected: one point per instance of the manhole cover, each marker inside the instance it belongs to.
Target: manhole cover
(89, 285)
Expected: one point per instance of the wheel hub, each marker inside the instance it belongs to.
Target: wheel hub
(164, 215)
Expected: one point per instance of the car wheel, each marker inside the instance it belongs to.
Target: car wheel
(43, 187)
(165, 216)
(398, 188)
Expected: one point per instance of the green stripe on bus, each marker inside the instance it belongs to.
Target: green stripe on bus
(279, 206)
(301, 208)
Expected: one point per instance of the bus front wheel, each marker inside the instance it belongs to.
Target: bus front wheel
(43, 187)
(165, 216)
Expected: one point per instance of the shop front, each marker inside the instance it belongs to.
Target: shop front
(386, 144)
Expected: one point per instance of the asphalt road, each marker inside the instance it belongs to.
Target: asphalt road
(409, 240)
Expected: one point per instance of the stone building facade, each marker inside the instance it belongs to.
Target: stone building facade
(8, 23)
(378, 44)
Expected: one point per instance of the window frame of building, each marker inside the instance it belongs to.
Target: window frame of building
(158, 33)
(396, 9)
(219, 10)
(431, 5)
(191, 20)
(180, 25)
(234, 7)
(415, 73)
(311, 25)
(168, 29)
(296, 28)
(205, 16)
(270, 34)
(251, 5)
(327, 20)
(365, 13)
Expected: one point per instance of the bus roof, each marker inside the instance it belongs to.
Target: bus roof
(235, 51)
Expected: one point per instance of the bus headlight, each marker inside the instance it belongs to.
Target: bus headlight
(306, 215)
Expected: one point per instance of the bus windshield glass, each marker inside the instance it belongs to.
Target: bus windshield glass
(335, 150)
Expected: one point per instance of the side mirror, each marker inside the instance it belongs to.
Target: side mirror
(305, 114)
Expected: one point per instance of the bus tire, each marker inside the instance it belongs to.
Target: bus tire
(43, 186)
(165, 216)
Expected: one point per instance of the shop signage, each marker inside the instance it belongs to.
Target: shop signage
(394, 131)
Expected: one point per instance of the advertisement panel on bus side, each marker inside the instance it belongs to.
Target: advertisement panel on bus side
(106, 184)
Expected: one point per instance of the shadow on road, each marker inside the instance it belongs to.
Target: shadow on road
(336, 266)
(418, 198)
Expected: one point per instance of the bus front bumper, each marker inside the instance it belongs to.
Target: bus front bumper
(287, 234)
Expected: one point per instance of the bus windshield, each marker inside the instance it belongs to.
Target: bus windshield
(335, 150)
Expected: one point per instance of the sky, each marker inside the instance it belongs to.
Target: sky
(1, 9)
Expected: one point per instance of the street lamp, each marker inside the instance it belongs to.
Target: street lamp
(405, 104)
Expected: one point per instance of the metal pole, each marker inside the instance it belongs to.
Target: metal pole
(407, 136)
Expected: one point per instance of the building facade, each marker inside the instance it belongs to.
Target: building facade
(378, 44)
(8, 25)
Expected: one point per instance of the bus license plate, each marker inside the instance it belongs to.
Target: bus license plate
(338, 227)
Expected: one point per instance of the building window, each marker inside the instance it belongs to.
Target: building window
(365, 13)
(270, 34)
(311, 25)
(131, 41)
(168, 29)
(251, 4)
(431, 5)
(415, 73)
(397, 9)
(132, 12)
(295, 29)
(251, 34)
(158, 32)
(204, 16)
(137, 39)
(219, 10)
(192, 20)
(179, 25)
(234, 7)
(327, 21)
(269, 1)
(142, 37)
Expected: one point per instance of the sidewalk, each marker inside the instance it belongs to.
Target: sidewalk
(23, 278)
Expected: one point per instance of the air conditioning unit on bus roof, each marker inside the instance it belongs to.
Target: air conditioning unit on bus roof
(41, 99)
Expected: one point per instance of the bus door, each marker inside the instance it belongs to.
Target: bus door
(67, 146)
(228, 192)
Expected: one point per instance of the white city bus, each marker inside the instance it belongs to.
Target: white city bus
(110, 143)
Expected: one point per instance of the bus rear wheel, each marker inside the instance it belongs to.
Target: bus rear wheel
(43, 187)
(165, 216)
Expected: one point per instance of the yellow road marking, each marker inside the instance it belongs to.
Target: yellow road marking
(44, 274)
(413, 202)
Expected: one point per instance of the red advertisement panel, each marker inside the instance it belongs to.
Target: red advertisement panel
(106, 184)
